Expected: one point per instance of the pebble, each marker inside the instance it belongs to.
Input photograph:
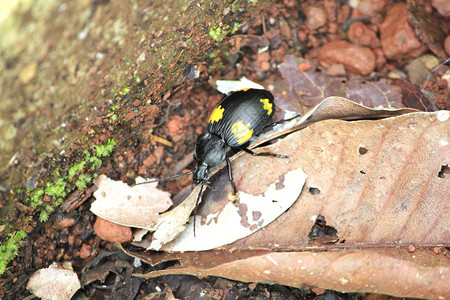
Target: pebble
(360, 34)
(398, 38)
(371, 7)
(356, 59)
(112, 232)
(316, 17)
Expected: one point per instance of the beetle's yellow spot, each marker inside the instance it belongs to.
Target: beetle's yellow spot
(242, 132)
(267, 105)
(243, 90)
(217, 114)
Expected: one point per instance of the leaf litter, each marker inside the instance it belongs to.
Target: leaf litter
(379, 187)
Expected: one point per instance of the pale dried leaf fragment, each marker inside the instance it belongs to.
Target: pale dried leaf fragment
(170, 224)
(55, 282)
(228, 86)
(236, 221)
(139, 206)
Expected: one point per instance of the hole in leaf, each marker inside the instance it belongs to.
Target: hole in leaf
(445, 170)
(321, 232)
(314, 191)
(363, 150)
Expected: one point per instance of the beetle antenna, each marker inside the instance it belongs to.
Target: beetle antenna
(197, 203)
(162, 179)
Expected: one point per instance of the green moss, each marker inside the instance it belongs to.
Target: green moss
(95, 162)
(76, 168)
(10, 248)
(82, 181)
(113, 118)
(105, 150)
(219, 33)
(57, 189)
(35, 198)
(125, 91)
(235, 28)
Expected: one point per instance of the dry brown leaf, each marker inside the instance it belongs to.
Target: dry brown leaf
(378, 181)
(379, 187)
(137, 206)
(54, 282)
(349, 271)
(331, 108)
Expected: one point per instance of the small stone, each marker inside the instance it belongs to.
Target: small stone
(360, 34)
(336, 70)
(265, 66)
(396, 74)
(316, 17)
(398, 38)
(85, 251)
(159, 153)
(304, 66)
(417, 71)
(447, 45)
(442, 6)
(355, 58)
(112, 232)
(371, 7)
(65, 222)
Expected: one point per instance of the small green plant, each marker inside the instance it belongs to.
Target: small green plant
(96, 162)
(43, 215)
(10, 248)
(76, 168)
(112, 118)
(82, 181)
(218, 33)
(35, 198)
(235, 28)
(59, 189)
(105, 150)
(125, 91)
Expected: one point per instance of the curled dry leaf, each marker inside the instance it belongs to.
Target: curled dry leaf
(54, 282)
(351, 271)
(332, 108)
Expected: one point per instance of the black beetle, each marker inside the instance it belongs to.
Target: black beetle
(235, 120)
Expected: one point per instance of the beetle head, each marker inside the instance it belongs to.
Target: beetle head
(210, 150)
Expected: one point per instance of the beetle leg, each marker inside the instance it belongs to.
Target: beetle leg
(230, 175)
(263, 153)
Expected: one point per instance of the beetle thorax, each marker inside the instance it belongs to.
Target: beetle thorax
(210, 150)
